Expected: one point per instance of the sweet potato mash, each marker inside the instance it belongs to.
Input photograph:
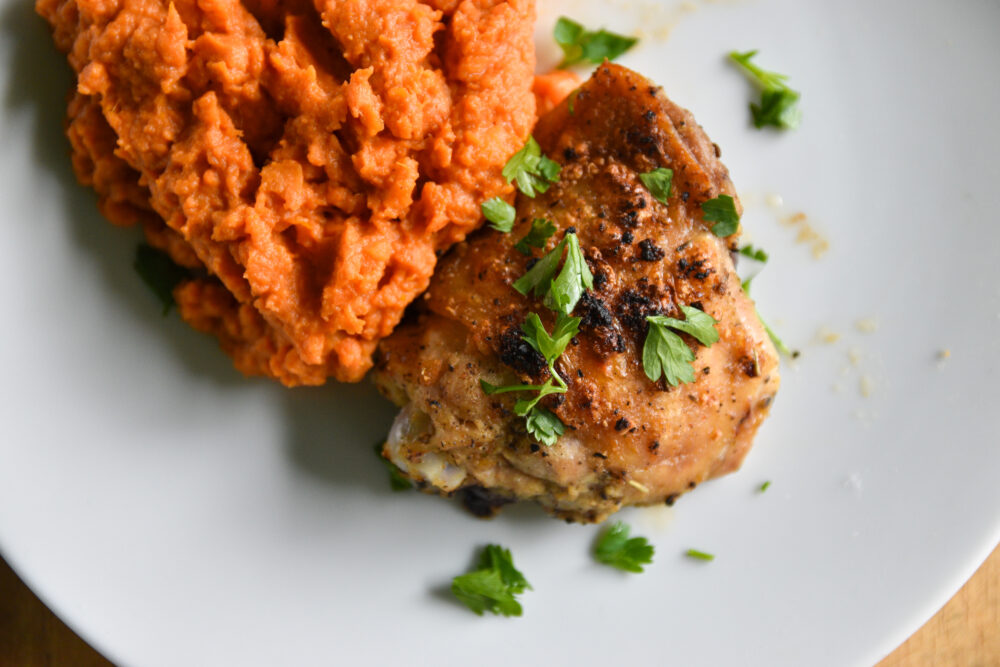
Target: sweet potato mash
(310, 159)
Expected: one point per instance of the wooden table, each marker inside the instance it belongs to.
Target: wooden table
(965, 633)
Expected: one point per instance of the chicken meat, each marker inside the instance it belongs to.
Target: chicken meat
(627, 440)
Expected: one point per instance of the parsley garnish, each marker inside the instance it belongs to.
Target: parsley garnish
(160, 273)
(532, 171)
(562, 292)
(778, 343)
(778, 103)
(538, 279)
(582, 45)
(666, 354)
(542, 424)
(541, 230)
(492, 585)
(500, 214)
(616, 549)
(763, 487)
(489, 388)
(722, 211)
(753, 253)
(397, 480)
(658, 182)
(550, 347)
(699, 555)
(573, 279)
(757, 255)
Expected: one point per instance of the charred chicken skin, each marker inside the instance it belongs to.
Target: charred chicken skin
(627, 440)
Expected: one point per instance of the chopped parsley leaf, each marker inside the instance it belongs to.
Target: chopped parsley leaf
(541, 423)
(524, 407)
(778, 343)
(696, 322)
(560, 291)
(721, 210)
(397, 480)
(699, 555)
(548, 346)
(530, 170)
(495, 557)
(756, 254)
(763, 487)
(666, 354)
(493, 585)
(573, 279)
(658, 183)
(617, 549)
(541, 230)
(538, 279)
(778, 103)
(489, 388)
(582, 45)
(160, 273)
(500, 214)
(544, 426)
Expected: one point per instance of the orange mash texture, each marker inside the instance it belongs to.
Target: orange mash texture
(312, 157)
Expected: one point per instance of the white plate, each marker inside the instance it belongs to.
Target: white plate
(175, 513)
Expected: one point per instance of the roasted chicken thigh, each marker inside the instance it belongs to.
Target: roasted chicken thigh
(627, 440)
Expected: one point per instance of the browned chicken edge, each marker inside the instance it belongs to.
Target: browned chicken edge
(628, 440)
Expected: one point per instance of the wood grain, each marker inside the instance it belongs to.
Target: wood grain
(32, 636)
(965, 633)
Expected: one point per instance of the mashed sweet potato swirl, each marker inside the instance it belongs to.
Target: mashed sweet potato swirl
(312, 158)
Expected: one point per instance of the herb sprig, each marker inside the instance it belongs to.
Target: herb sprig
(658, 183)
(666, 354)
(537, 236)
(756, 254)
(778, 103)
(617, 549)
(776, 339)
(722, 211)
(530, 170)
(397, 480)
(778, 343)
(493, 585)
(562, 291)
(593, 46)
(541, 423)
(499, 214)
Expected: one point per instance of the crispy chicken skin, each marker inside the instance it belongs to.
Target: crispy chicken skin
(628, 440)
